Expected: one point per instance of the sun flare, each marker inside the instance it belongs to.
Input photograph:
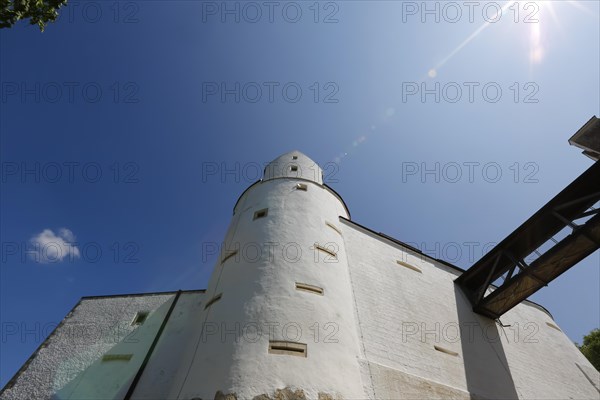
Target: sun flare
(529, 15)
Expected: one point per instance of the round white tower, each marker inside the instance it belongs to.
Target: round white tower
(279, 309)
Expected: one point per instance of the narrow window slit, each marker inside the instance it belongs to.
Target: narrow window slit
(302, 186)
(116, 357)
(228, 256)
(551, 325)
(443, 350)
(409, 266)
(261, 213)
(325, 250)
(309, 288)
(213, 300)
(332, 226)
(287, 348)
(284, 348)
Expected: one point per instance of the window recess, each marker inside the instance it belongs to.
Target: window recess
(409, 266)
(309, 288)
(287, 348)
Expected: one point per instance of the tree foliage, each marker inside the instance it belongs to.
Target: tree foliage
(591, 347)
(39, 12)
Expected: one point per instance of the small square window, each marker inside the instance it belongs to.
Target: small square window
(261, 213)
(294, 157)
(302, 186)
(140, 318)
(294, 168)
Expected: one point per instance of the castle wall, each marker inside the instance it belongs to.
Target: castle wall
(69, 364)
(259, 303)
(404, 313)
(308, 303)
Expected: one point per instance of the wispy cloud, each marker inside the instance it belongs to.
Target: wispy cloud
(48, 247)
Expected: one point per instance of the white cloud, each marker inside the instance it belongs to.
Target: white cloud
(47, 247)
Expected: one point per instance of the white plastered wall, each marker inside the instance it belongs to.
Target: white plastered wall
(403, 314)
(258, 292)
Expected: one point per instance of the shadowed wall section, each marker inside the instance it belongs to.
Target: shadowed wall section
(487, 371)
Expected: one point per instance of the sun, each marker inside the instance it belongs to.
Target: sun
(530, 15)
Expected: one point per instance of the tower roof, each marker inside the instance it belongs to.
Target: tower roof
(294, 164)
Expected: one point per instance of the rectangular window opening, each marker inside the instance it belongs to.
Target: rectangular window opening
(409, 266)
(140, 318)
(302, 186)
(228, 256)
(261, 213)
(294, 157)
(309, 288)
(325, 250)
(116, 357)
(294, 168)
(443, 350)
(332, 226)
(213, 300)
(287, 348)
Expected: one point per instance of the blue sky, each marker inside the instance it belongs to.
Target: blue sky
(123, 130)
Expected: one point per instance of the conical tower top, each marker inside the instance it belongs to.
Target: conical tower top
(294, 164)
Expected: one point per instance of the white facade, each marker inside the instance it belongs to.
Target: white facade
(260, 302)
(306, 301)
